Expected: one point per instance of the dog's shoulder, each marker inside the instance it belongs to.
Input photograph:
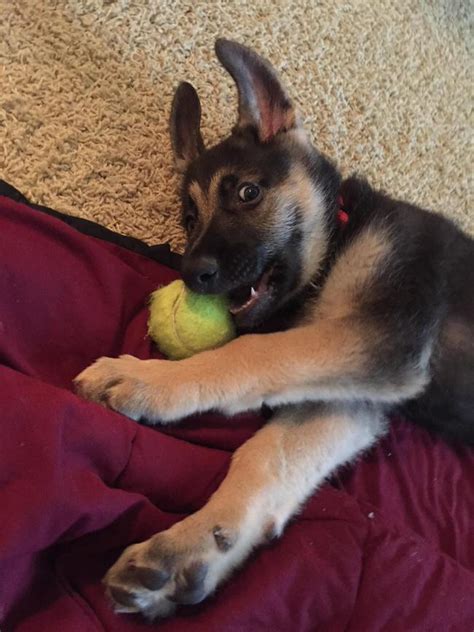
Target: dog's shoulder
(422, 242)
(409, 224)
(392, 257)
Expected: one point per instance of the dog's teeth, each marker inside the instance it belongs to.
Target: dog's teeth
(253, 292)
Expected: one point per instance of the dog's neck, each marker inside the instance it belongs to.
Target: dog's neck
(290, 312)
(338, 221)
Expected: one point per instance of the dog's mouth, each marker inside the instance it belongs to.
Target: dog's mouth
(248, 299)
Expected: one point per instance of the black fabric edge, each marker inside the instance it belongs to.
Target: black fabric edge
(161, 253)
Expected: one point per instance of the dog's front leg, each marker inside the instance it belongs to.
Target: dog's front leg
(329, 360)
(238, 376)
(269, 478)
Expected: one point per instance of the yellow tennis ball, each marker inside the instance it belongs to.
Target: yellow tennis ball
(183, 323)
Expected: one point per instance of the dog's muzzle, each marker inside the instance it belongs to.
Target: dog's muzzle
(202, 274)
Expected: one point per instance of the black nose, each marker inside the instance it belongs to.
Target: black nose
(201, 273)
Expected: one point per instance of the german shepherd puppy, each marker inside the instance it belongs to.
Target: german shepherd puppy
(374, 304)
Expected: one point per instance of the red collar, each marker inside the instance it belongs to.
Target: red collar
(342, 215)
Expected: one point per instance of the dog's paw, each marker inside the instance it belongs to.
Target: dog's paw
(148, 389)
(180, 566)
(115, 382)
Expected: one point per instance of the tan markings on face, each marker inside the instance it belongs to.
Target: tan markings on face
(298, 190)
(213, 191)
(200, 199)
(353, 271)
(208, 201)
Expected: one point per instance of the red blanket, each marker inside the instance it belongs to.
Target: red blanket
(387, 545)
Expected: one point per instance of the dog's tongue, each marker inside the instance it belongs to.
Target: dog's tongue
(253, 295)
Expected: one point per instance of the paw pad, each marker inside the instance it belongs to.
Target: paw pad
(151, 578)
(190, 584)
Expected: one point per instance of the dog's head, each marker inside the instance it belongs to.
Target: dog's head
(258, 207)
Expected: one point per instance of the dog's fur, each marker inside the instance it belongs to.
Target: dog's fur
(358, 319)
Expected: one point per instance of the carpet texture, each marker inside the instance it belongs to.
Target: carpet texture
(85, 92)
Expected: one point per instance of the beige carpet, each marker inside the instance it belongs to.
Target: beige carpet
(85, 90)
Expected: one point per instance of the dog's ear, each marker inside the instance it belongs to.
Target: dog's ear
(185, 122)
(263, 102)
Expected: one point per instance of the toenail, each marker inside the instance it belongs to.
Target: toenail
(121, 596)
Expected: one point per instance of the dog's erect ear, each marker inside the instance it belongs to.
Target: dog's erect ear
(186, 139)
(263, 102)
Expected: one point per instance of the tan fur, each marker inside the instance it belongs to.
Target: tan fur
(325, 366)
(213, 191)
(352, 272)
(274, 216)
(201, 200)
(324, 360)
(299, 189)
(270, 477)
(207, 202)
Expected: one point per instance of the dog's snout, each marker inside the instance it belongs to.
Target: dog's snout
(205, 269)
(201, 273)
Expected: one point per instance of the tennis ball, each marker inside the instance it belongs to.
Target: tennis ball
(183, 323)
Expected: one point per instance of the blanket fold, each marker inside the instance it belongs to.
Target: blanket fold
(385, 545)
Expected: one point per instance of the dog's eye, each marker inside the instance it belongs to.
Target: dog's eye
(249, 192)
(190, 223)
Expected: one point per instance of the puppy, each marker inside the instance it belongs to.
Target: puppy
(366, 302)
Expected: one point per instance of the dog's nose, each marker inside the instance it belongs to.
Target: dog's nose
(205, 270)
(201, 273)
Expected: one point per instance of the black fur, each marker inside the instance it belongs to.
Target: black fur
(427, 285)
(419, 307)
